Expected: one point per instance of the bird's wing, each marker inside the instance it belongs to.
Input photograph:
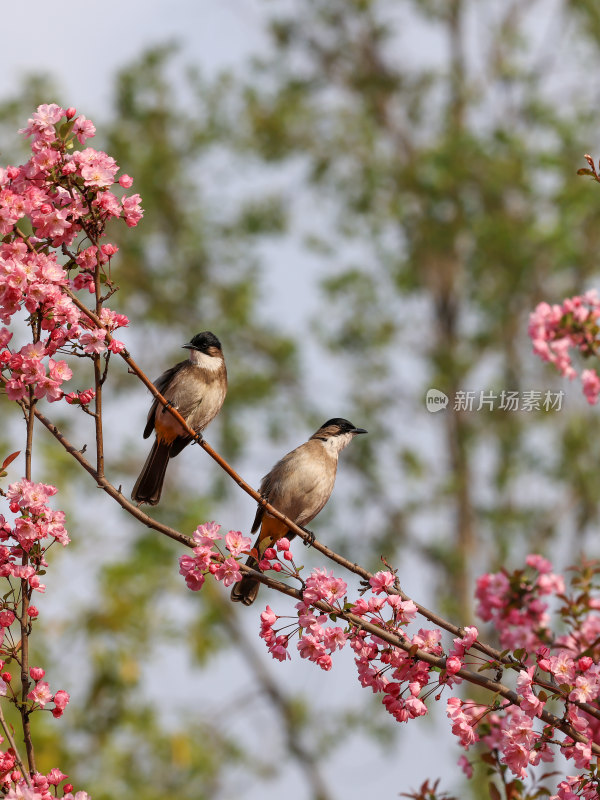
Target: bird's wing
(290, 484)
(161, 384)
(265, 490)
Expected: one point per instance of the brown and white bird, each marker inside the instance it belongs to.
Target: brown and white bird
(299, 486)
(196, 388)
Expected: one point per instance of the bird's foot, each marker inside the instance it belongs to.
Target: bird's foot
(311, 537)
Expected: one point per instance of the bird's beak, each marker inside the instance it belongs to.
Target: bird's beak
(188, 346)
(359, 430)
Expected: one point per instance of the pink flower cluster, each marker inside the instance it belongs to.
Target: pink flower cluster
(316, 641)
(207, 560)
(36, 522)
(578, 787)
(514, 604)
(374, 657)
(27, 369)
(41, 784)
(63, 193)
(42, 695)
(555, 330)
(563, 669)
(35, 527)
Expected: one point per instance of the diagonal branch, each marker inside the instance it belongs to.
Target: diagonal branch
(364, 574)
(392, 638)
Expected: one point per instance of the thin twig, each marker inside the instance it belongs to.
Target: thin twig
(25, 598)
(11, 741)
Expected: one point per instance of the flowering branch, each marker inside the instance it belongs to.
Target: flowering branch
(65, 196)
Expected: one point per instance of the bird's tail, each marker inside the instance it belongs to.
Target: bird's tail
(245, 591)
(149, 485)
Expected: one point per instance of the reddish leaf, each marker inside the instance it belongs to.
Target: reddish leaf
(9, 459)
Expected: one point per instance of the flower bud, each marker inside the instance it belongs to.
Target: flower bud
(37, 673)
(6, 618)
(70, 112)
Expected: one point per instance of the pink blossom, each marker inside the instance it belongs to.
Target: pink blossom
(5, 337)
(321, 585)
(97, 169)
(309, 646)
(41, 693)
(587, 688)
(83, 128)
(538, 562)
(115, 346)
(591, 385)
(111, 320)
(15, 389)
(53, 224)
(334, 638)
(530, 702)
(132, 210)
(453, 665)
(381, 581)
(55, 776)
(61, 699)
(228, 572)
(192, 572)
(207, 533)
(278, 648)
(237, 544)
(404, 610)
(462, 726)
(94, 341)
(109, 250)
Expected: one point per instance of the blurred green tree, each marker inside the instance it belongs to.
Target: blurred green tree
(442, 150)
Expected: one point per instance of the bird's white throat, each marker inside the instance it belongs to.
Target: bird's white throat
(200, 359)
(334, 444)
